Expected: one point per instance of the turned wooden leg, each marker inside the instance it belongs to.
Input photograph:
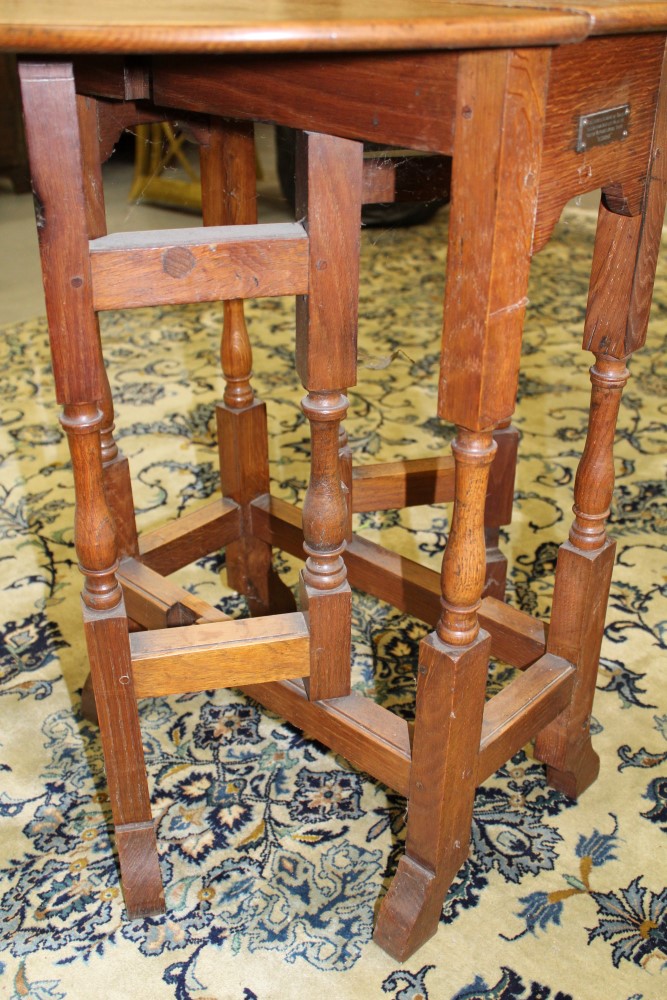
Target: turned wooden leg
(106, 633)
(583, 578)
(328, 192)
(453, 664)
(496, 162)
(117, 480)
(229, 198)
(244, 470)
(617, 315)
(56, 165)
(324, 590)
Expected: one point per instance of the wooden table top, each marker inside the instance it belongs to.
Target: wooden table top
(125, 26)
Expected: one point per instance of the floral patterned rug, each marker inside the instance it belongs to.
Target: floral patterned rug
(274, 852)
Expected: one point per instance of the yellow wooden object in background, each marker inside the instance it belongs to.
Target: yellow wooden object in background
(158, 149)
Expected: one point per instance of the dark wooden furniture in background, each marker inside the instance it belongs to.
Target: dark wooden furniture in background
(534, 107)
(13, 155)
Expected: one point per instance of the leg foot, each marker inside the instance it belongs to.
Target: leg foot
(140, 870)
(576, 781)
(410, 911)
(575, 633)
(111, 669)
(450, 705)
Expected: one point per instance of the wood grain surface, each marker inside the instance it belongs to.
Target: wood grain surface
(291, 25)
(325, 26)
(198, 265)
(220, 654)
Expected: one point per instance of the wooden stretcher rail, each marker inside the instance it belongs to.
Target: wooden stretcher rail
(394, 485)
(520, 710)
(516, 637)
(224, 653)
(178, 543)
(408, 483)
(378, 742)
(155, 602)
(220, 654)
(172, 266)
(369, 736)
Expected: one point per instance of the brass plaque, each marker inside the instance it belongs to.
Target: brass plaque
(602, 127)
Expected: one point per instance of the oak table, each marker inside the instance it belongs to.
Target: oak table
(534, 106)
